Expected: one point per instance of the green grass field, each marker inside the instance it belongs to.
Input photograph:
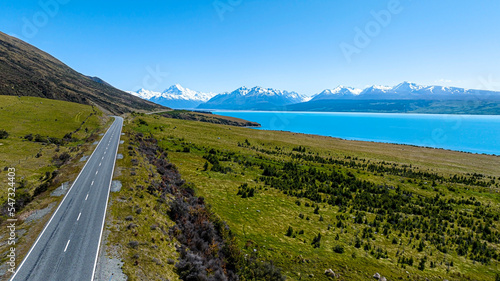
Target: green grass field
(262, 221)
(63, 128)
(22, 116)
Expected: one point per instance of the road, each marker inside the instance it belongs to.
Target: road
(67, 247)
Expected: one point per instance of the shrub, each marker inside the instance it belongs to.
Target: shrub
(289, 232)
(316, 241)
(244, 191)
(3, 134)
(41, 188)
(61, 159)
(133, 244)
(338, 249)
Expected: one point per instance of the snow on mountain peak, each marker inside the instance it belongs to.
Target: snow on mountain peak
(175, 92)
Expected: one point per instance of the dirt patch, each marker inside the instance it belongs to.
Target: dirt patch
(61, 190)
(37, 214)
(116, 186)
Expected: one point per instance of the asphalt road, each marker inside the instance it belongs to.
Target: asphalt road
(67, 247)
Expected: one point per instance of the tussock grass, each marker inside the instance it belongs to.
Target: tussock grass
(261, 222)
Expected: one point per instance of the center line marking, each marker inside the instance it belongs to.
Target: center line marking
(92, 183)
(100, 164)
(86, 197)
(96, 172)
(66, 246)
(79, 216)
(102, 158)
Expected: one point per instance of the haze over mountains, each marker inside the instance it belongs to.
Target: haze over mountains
(404, 97)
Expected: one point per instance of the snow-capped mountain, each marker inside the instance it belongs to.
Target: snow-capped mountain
(404, 91)
(256, 98)
(338, 92)
(175, 97)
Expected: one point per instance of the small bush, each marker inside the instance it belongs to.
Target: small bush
(316, 241)
(244, 191)
(338, 249)
(3, 134)
(29, 137)
(133, 244)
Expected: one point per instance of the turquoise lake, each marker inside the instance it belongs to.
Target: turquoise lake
(470, 133)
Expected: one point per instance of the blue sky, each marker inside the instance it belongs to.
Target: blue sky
(298, 45)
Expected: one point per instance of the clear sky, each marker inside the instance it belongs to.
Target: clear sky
(298, 45)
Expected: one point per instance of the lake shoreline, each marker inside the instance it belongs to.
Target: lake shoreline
(476, 134)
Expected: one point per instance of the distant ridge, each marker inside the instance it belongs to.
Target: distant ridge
(176, 97)
(256, 98)
(406, 91)
(28, 71)
(406, 97)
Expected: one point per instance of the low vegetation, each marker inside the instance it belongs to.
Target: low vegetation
(43, 140)
(208, 118)
(358, 208)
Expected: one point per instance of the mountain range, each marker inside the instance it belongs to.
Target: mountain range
(176, 97)
(404, 97)
(406, 91)
(256, 98)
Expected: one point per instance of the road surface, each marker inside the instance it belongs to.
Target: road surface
(67, 247)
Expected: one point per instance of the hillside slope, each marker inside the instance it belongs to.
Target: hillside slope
(28, 71)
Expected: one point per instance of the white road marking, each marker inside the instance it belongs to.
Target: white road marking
(100, 164)
(104, 152)
(102, 158)
(54, 214)
(106, 206)
(96, 172)
(78, 216)
(66, 246)
(92, 183)
(86, 197)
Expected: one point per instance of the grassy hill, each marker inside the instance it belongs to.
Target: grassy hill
(44, 141)
(28, 71)
(311, 203)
